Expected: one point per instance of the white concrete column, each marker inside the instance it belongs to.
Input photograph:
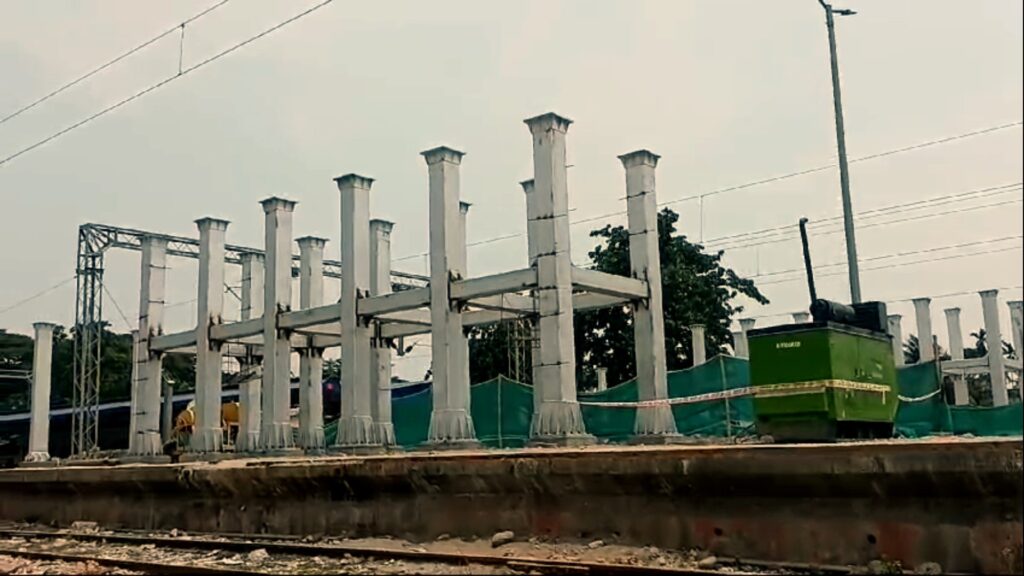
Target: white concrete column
(249, 391)
(355, 428)
(801, 317)
(558, 418)
(133, 405)
(994, 343)
(149, 372)
(460, 347)
(531, 243)
(602, 378)
(380, 348)
(450, 420)
(1017, 326)
(700, 355)
(39, 423)
(311, 360)
(648, 321)
(925, 337)
(896, 331)
(275, 396)
(961, 397)
(208, 433)
(740, 343)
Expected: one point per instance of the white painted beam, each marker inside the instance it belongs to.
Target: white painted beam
(493, 285)
(207, 435)
(648, 323)
(610, 284)
(39, 420)
(355, 426)
(236, 331)
(173, 342)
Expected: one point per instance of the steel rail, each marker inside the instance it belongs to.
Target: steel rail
(284, 545)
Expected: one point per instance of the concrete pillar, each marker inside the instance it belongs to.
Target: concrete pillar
(355, 428)
(531, 243)
(380, 348)
(602, 378)
(450, 420)
(149, 372)
(700, 355)
(1017, 326)
(741, 344)
(275, 396)
(133, 424)
(925, 337)
(558, 418)
(896, 331)
(956, 352)
(208, 433)
(311, 360)
(801, 317)
(166, 411)
(249, 390)
(994, 343)
(39, 423)
(460, 348)
(648, 321)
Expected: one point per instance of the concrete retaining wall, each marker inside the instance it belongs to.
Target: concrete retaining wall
(958, 503)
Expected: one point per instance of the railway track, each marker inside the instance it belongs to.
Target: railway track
(277, 547)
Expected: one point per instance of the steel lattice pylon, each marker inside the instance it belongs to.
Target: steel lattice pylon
(88, 340)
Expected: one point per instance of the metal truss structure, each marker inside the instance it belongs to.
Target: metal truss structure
(94, 240)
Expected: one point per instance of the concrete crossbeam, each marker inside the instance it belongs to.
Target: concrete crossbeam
(494, 285)
(648, 323)
(311, 361)
(207, 435)
(355, 426)
(610, 284)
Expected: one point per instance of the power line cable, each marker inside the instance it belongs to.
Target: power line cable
(36, 295)
(127, 324)
(110, 63)
(153, 87)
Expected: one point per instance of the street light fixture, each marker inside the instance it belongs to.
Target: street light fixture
(844, 170)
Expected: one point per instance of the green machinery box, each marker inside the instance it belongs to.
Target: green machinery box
(820, 381)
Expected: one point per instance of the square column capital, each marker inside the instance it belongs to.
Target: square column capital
(747, 323)
(989, 293)
(895, 317)
(921, 301)
(548, 121)
(639, 158)
(696, 327)
(380, 226)
(354, 181)
(311, 242)
(41, 326)
(952, 311)
(275, 203)
(209, 223)
(1016, 304)
(527, 186)
(443, 154)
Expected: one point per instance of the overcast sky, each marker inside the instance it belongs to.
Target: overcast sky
(728, 92)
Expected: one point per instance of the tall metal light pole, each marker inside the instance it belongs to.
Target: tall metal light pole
(844, 170)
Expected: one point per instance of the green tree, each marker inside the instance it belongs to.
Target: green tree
(696, 287)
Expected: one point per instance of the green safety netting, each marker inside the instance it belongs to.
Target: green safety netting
(502, 408)
(923, 410)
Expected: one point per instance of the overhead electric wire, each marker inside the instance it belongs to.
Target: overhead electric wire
(36, 295)
(122, 56)
(127, 324)
(165, 81)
